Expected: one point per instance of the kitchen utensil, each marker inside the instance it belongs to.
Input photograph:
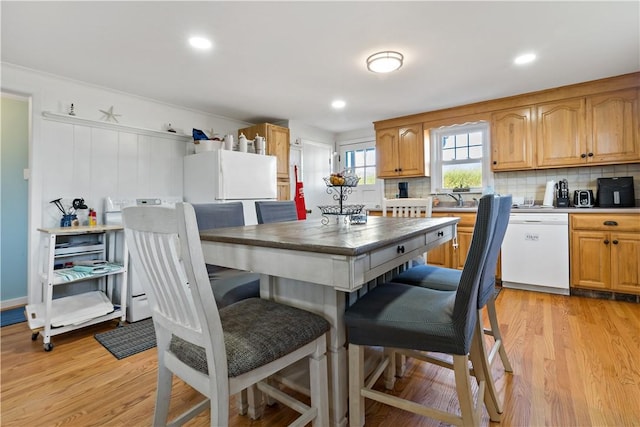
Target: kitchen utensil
(583, 199)
(58, 204)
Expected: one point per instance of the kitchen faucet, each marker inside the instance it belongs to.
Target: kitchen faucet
(458, 199)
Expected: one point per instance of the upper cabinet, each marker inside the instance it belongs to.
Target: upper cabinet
(277, 144)
(595, 130)
(585, 124)
(400, 152)
(613, 121)
(560, 139)
(512, 134)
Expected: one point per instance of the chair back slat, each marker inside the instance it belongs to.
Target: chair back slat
(408, 207)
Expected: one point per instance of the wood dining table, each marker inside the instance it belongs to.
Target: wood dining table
(323, 267)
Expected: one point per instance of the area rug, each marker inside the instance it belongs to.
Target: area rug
(12, 316)
(130, 339)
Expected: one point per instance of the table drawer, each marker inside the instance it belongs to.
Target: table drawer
(381, 256)
(606, 222)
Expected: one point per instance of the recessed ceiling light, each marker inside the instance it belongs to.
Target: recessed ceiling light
(200, 42)
(525, 59)
(384, 62)
(338, 104)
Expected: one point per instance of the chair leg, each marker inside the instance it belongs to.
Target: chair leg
(391, 369)
(470, 417)
(242, 402)
(356, 382)
(483, 374)
(495, 331)
(163, 394)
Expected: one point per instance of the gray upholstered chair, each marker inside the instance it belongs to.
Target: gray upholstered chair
(276, 211)
(413, 319)
(217, 352)
(229, 285)
(447, 279)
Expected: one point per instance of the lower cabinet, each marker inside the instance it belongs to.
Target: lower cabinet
(449, 255)
(605, 252)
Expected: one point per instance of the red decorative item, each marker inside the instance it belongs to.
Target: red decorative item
(299, 197)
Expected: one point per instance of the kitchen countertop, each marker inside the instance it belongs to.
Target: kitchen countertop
(540, 209)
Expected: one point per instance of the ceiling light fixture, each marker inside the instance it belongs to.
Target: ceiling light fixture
(525, 59)
(385, 62)
(200, 42)
(338, 104)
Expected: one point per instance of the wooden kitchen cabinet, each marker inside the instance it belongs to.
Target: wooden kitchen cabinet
(612, 119)
(560, 133)
(605, 252)
(595, 130)
(277, 144)
(401, 152)
(447, 255)
(512, 139)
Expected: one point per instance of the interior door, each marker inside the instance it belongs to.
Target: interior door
(316, 164)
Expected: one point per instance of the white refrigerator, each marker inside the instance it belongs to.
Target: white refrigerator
(220, 176)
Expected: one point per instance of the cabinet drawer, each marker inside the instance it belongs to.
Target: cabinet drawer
(605, 222)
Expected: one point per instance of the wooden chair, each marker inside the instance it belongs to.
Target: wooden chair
(448, 279)
(217, 352)
(229, 285)
(276, 211)
(408, 207)
(413, 319)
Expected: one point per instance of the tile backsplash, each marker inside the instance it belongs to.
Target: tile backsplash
(532, 183)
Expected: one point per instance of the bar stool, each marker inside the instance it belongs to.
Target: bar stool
(410, 318)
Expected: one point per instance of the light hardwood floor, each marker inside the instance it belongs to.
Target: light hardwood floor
(576, 363)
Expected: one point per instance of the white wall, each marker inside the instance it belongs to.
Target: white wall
(71, 160)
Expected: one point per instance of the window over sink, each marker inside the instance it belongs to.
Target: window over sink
(460, 158)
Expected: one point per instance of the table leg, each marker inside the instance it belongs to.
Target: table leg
(330, 304)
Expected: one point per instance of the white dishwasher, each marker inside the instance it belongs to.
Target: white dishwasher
(535, 252)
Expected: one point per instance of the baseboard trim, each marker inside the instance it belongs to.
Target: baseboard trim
(12, 303)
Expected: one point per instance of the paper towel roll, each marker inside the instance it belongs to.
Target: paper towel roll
(548, 194)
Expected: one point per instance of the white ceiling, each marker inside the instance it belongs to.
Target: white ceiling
(288, 60)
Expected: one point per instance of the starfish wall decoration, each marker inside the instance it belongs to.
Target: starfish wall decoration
(109, 114)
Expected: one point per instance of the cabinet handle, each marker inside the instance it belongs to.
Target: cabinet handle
(615, 242)
(590, 154)
(400, 249)
(613, 223)
(606, 241)
(395, 170)
(495, 163)
(440, 233)
(582, 156)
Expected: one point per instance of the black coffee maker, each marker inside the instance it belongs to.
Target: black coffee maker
(562, 194)
(403, 190)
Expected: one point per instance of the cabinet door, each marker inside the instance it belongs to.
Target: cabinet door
(459, 257)
(590, 259)
(560, 133)
(387, 153)
(511, 140)
(284, 190)
(411, 150)
(625, 262)
(278, 145)
(613, 124)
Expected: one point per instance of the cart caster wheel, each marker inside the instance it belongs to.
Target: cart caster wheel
(48, 347)
(34, 336)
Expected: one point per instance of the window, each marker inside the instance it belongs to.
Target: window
(460, 158)
(361, 159)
